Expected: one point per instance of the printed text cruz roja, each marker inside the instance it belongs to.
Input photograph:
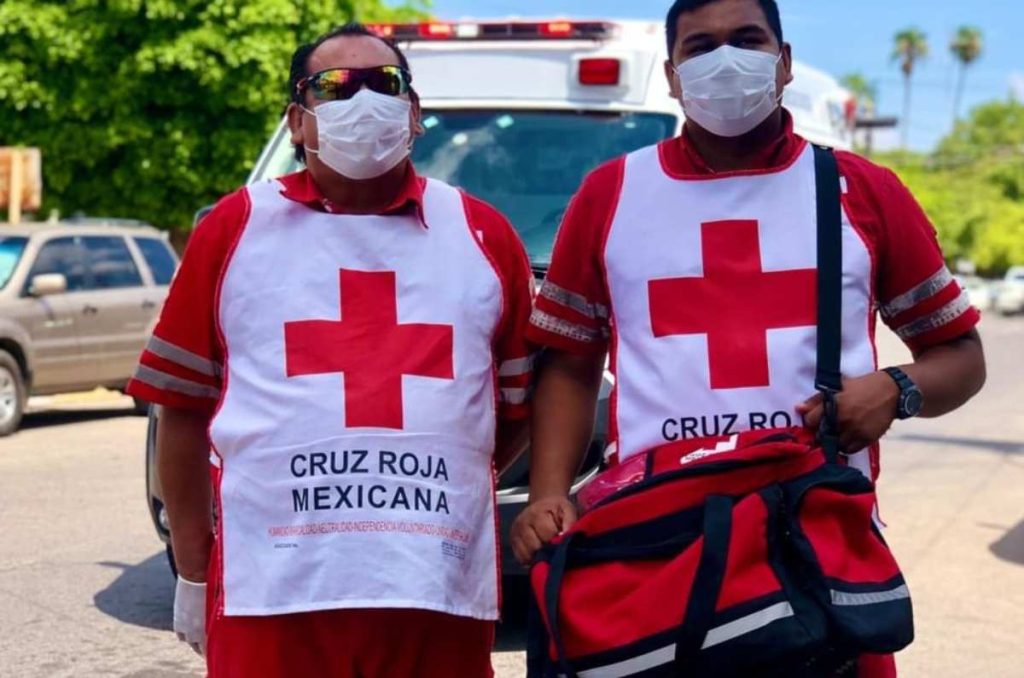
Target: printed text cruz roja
(379, 490)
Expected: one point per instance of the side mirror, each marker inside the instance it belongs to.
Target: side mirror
(48, 284)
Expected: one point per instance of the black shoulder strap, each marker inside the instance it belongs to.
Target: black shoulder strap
(830, 294)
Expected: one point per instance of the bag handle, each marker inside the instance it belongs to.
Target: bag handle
(829, 378)
(707, 582)
(552, 589)
(589, 555)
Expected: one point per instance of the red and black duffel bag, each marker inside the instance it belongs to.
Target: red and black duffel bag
(755, 555)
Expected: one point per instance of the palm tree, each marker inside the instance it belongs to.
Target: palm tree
(966, 46)
(911, 46)
(866, 94)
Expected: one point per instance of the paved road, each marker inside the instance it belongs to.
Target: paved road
(85, 590)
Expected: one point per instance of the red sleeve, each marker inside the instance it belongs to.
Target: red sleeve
(512, 354)
(182, 364)
(572, 311)
(918, 296)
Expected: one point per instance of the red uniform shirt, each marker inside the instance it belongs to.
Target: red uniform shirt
(183, 364)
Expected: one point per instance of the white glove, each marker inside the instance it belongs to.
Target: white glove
(190, 614)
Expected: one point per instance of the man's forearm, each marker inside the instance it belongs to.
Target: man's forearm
(564, 405)
(183, 452)
(949, 375)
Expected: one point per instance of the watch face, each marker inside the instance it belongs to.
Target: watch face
(913, 401)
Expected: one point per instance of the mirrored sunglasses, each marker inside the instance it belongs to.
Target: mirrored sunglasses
(342, 83)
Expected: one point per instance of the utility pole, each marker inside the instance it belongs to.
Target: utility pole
(20, 182)
(16, 181)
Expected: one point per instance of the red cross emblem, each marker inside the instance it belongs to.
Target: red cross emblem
(734, 304)
(370, 348)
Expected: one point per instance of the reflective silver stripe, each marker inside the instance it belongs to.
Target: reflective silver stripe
(852, 599)
(576, 302)
(748, 624)
(563, 328)
(514, 396)
(715, 636)
(926, 290)
(611, 450)
(168, 382)
(176, 354)
(939, 318)
(516, 367)
(632, 666)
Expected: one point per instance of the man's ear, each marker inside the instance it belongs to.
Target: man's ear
(787, 63)
(674, 86)
(416, 115)
(294, 114)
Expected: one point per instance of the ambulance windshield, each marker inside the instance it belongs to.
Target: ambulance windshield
(528, 164)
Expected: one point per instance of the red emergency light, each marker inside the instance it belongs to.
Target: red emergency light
(436, 31)
(509, 30)
(600, 71)
(556, 29)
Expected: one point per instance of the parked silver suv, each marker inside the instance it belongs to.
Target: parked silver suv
(78, 300)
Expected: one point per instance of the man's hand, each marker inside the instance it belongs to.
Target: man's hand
(867, 409)
(539, 523)
(190, 614)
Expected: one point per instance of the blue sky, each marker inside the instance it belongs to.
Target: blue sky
(842, 36)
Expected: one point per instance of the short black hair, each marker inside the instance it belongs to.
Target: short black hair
(680, 7)
(300, 63)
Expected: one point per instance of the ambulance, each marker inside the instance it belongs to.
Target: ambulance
(517, 112)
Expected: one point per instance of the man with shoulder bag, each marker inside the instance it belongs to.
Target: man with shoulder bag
(698, 264)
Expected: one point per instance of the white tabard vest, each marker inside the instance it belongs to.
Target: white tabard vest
(356, 431)
(712, 284)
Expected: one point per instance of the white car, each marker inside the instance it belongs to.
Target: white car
(1010, 299)
(981, 292)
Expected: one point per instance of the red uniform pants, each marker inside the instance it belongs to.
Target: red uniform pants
(877, 666)
(350, 644)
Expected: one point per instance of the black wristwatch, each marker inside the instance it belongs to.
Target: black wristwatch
(911, 400)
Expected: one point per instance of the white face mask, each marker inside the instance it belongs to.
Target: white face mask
(729, 91)
(363, 137)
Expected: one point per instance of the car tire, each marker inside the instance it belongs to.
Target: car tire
(12, 394)
(140, 407)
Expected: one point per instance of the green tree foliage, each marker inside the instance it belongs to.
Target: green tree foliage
(152, 108)
(972, 186)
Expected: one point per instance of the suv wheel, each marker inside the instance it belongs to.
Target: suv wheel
(12, 394)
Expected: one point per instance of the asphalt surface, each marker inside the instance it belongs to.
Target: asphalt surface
(85, 589)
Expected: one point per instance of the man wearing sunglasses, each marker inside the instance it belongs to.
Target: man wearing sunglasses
(349, 341)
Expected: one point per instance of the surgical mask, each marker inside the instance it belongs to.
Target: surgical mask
(729, 91)
(363, 137)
